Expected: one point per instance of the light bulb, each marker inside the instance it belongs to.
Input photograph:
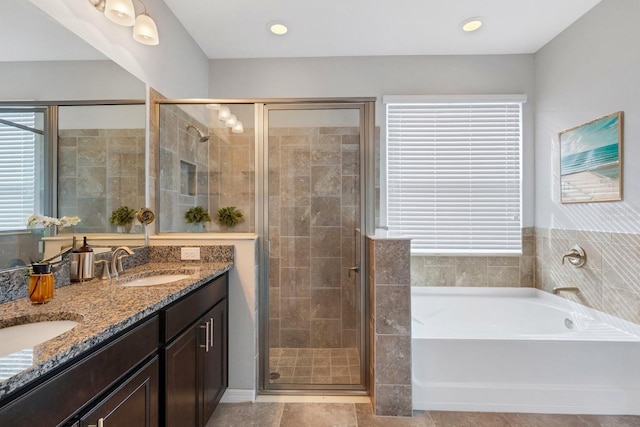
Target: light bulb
(224, 113)
(121, 12)
(231, 121)
(237, 128)
(145, 30)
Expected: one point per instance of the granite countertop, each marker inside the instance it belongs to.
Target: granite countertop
(102, 308)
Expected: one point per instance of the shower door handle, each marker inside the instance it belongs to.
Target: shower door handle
(356, 269)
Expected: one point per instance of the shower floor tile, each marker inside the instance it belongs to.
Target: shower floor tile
(314, 366)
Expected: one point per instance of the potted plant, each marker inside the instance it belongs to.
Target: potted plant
(196, 216)
(229, 216)
(123, 217)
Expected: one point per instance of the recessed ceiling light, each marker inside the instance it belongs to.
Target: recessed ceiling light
(278, 28)
(471, 24)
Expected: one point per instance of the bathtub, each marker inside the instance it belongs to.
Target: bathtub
(520, 350)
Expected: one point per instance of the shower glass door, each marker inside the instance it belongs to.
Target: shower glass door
(313, 161)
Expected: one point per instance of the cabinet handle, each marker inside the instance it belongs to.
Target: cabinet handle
(211, 331)
(206, 336)
(100, 423)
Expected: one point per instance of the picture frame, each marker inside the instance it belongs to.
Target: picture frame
(591, 161)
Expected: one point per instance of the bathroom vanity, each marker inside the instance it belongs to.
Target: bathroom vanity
(162, 361)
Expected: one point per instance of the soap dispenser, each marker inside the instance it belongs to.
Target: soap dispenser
(82, 263)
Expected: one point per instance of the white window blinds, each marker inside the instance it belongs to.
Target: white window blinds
(17, 170)
(453, 175)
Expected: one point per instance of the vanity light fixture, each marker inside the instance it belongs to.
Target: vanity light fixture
(224, 115)
(145, 30)
(472, 24)
(278, 28)
(123, 13)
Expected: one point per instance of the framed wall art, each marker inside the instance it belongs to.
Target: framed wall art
(591, 161)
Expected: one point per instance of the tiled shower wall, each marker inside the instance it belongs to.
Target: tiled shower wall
(313, 200)
(232, 177)
(100, 170)
(179, 150)
(610, 279)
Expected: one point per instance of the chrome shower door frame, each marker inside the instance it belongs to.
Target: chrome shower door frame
(366, 108)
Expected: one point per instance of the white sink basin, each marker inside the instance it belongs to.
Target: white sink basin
(156, 280)
(21, 337)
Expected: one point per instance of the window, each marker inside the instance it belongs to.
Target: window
(453, 173)
(17, 169)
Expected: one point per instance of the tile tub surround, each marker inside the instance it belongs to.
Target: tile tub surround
(105, 309)
(389, 279)
(610, 279)
(514, 271)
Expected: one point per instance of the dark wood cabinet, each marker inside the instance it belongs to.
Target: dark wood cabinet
(195, 361)
(133, 404)
(169, 369)
(59, 399)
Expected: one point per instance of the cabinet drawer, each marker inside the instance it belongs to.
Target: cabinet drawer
(61, 396)
(187, 310)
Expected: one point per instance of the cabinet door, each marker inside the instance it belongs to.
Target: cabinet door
(214, 366)
(181, 379)
(132, 404)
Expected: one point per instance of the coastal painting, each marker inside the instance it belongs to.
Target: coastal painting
(591, 161)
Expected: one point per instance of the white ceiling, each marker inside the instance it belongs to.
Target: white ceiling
(238, 28)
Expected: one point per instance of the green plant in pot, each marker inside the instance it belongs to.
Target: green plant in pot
(123, 217)
(196, 217)
(229, 216)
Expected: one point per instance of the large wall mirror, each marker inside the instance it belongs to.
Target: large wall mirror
(77, 149)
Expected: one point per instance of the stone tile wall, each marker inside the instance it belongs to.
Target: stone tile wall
(100, 170)
(232, 176)
(514, 271)
(313, 201)
(610, 279)
(389, 281)
(177, 144)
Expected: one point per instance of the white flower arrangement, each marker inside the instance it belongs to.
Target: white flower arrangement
(47, 221)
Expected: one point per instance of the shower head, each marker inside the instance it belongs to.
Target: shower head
(203, 137)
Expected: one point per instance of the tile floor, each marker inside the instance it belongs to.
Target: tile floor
(314, 366)
(266, 414)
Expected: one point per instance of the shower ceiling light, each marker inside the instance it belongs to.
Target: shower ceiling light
(472, 24)
(121, 12)
(214, 107)
(278, 28)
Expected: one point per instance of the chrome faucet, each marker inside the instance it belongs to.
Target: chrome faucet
(116, 261)
(573, 289)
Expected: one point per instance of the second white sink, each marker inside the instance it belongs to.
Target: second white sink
(156, 280)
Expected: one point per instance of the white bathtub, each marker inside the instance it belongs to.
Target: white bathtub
(520, 350)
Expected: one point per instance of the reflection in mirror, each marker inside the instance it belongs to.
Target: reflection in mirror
(213, 172)
(101, 155)
(22, 181)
